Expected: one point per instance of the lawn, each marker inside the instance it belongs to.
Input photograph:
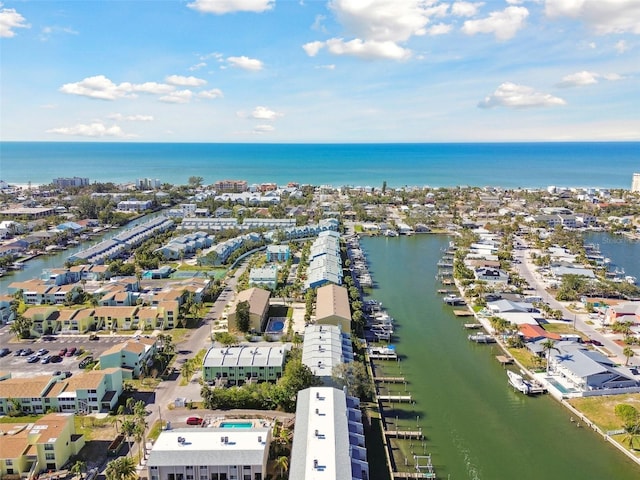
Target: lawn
(600, 410)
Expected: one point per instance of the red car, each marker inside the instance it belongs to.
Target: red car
(194, 421)
(70, 352)
(62, 352)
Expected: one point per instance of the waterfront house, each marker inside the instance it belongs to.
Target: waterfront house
(329, 438)
(332, 307)
(588, 370)
(258, 300)
(324, 347)
(32, 447)
(214, 453)
(245, 363)
(492, 276)
(628, 312)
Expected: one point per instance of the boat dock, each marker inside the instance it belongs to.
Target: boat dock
(390, 379)
(463, 313)
(472, 326)
(504, 360)
(405, 434)
(400, 475)
(395, 398)
(482, 338)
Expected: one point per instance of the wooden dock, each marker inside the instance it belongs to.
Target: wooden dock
(463, 313)
(504, 360)
(383, 356)
(414, 475)
(395, 398)
(404, 434)
(390, 379)
(472, 326)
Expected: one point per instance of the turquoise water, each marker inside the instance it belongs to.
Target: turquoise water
(446, 164)
(236, 425)
(476, 426)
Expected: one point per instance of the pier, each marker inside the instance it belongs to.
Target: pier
(390, 379)
(405, 434)
(463, 313)
(395, 398)
(414, 475)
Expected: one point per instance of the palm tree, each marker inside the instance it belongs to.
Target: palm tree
(122, 468)
(283, 464)
(129, 428)
(547, 346)
(628, 353)
(78, 468)
(632, 432)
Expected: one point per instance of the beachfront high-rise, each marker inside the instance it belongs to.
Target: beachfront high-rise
(635, 183)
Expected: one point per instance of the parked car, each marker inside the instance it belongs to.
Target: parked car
(26, 352)
(42, 351)
(62, 351)
(194, 421)
(67, 374)
(4, 352)
(56, 359)
(85, 361)
(46, 359)
(33, 359)
(18, 352)
(70, 352)
(56, 373)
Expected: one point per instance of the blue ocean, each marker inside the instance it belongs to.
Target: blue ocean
(509, 165)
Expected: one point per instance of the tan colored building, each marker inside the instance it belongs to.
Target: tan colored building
(132, 356)
(258, 299)
(332, 307)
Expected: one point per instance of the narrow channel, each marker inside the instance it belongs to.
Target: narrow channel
(476, 426)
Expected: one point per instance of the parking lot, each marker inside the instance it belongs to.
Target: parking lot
(20, 367)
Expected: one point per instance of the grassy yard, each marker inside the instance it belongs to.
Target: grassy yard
(561, 328)
(600, 410)
(526, 358)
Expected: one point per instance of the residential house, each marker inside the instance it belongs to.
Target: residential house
(214, 453)
(491, 275)
(134, 356)
(44, 445)
(325, 347)
(329, 438)
(244, 363)
(332, 307)
(266, 277)
(258, 300)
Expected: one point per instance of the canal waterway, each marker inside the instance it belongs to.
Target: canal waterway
(33, 268)
(476, 426)
(623, 252)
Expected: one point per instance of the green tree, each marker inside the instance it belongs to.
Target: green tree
(282, 463)
(628, 353)
(243, 319)
(547, 346)
(78, 467)
(122, 468)
(353, 375)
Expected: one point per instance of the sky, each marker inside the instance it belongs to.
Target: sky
(319, 71)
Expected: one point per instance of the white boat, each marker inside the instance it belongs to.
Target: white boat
(528, 387)
(517, 381)
(453, 300)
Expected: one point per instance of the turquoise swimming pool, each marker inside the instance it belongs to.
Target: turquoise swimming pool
(236, 425)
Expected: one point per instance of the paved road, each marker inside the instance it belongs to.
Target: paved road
(527, 271)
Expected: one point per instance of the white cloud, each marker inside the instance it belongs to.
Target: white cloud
(96, 129)
(583, 78)
(220, 7)
(312, 48)
(179, 96)
(211, 94)
(439, 29)
(264, 113)
(330, 66)
(579, 79)
(246, 63)
(182, 81)
(604, 16)
(621, 46)
(263, 128)
(197, 66)
(519, 96)
(503, 25)
(151, 87)
(47, 32)
(383, 20)
(99, 87)
(371, 49)
(130, 118)
(102, 88)
(465, 9)
(10, 19)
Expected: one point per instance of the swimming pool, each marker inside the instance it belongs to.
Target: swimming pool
(236, 425)
(276, 325)
(558, 386)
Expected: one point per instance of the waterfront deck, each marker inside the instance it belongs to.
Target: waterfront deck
(390, 379)
(504, 360)
(414, 475)
(405, 434)
(463, 313)
(395, 398)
